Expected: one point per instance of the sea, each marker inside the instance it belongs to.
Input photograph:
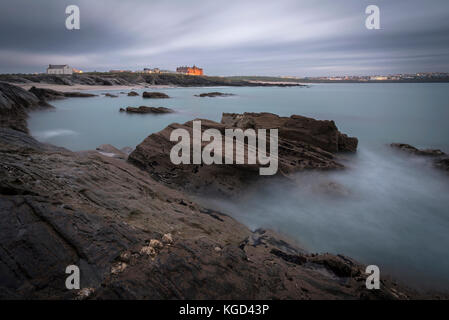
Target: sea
(391, 209)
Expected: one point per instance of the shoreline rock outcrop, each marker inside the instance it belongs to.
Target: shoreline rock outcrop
(304, 143)
(15, 103)
(130, 79)
(134, 238)
(50, 94)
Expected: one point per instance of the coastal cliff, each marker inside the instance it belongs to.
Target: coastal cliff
(136, 238)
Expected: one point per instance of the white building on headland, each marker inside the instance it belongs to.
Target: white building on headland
(59, 69)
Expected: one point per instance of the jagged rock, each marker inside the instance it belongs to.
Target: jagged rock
(155, 95)
(132, 94)
(145, 109)
(323, 134)
(214, 94)
(15, 103)
(304, 143)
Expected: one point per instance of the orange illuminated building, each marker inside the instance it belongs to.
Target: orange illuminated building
(194, 71)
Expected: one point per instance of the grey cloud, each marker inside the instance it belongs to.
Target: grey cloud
(285, 37)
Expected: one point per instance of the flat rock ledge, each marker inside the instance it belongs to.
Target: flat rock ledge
(214, 94)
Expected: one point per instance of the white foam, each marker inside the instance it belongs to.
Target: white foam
(48, 134)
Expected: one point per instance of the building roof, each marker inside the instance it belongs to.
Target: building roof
(57, 66)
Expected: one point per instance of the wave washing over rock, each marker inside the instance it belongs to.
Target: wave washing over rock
(134, 237)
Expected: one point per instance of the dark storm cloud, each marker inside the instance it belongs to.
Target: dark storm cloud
(284, 37)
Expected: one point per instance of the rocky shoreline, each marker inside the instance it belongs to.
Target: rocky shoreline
(137, 237)
(131, 79)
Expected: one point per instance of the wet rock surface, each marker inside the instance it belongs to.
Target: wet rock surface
(134, 238)
(132, 94)
(304, 143)
(15, 103)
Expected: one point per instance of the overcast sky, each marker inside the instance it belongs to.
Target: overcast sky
(277, 37)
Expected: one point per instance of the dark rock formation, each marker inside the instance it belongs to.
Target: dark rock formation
(438, 158)
(132, 94)
(214, 94)
(78, 95)
(110, 95)
(304, 143)
(134, 238)
(15, 103)
(411, 149)
(154, 95)
(49, 94)
(145, 109)
(130, 79)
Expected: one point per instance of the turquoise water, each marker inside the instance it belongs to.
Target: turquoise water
(375, 113)
(393, 210)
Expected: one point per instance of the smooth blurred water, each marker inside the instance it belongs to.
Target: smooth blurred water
(389, 209)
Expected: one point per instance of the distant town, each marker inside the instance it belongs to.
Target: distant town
(393, 77)
(66, 69)
(197, 71)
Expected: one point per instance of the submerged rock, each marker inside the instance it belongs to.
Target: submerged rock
(145, 109)
(132, 94)
(155, 95)
(214, 94)
(110, 95)
(438, 158)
